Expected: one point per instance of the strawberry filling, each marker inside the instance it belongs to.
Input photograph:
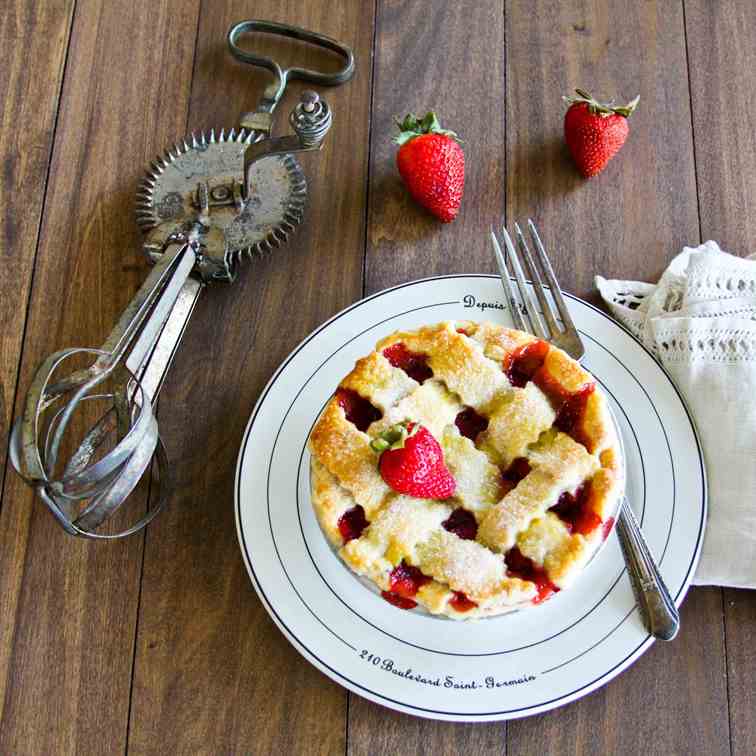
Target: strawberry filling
(352, 523)
(413, 363)
(519, 566)
(398, 601)
(462, 523)
(516, 471)
(460, 603)
(568, 405)
(576, 512)
(357, 409)
(406, 580)
(470, 423)
(404, 583)
(607, 528)
(522, 364)
(525, 364)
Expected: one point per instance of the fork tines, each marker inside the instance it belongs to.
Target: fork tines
(536, 316)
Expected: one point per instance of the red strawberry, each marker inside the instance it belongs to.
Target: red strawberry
(594, 132)
(412, 462)
(432, 164)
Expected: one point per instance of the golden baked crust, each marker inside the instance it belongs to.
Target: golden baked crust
(467, 371)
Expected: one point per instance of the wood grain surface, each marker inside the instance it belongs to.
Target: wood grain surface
(31, 96)
(721, 54)
(158, 644)
(69, 607)
(31, 72)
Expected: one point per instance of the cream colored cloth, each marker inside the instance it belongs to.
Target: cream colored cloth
(700, 322)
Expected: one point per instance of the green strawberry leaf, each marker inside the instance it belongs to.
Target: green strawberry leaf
(602, 108)
(413, 126)
(394, 437)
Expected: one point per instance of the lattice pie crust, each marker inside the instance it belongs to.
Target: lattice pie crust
(467, 371)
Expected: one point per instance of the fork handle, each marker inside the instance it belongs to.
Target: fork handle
(656, 605)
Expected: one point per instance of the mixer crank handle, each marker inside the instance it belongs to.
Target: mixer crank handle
(311, 120)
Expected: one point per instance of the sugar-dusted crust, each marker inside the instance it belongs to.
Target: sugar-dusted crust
(466, 360)
(558, 464)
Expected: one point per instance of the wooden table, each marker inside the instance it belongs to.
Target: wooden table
(158, 644)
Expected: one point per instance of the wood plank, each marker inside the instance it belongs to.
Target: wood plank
(627, 223)
(212, 671)
(722, 62)
(449, 58)
(31, 72)
(374, 729)
(68, 607)
(740, 634)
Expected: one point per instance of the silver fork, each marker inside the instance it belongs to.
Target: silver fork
(658, 610)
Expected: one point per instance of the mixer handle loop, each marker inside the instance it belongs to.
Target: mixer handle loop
(283, 75)
(261, 119)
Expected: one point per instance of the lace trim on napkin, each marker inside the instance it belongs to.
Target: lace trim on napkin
(685, 344)
(699, 286)
(713, 274)
(628, 302)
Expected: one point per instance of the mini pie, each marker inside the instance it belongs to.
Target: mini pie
(526, 434)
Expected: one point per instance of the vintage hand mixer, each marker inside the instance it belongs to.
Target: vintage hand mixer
(210, 201)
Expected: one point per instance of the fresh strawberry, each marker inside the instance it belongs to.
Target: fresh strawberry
(412, 462)
(595, 132)
(432, 164)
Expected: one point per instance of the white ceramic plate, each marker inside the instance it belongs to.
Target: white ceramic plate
(500, 668)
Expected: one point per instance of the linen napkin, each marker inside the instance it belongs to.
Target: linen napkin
(699, 321)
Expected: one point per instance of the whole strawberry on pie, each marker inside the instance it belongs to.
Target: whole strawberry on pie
(466, 468)
(412, 462)
(432, 164)
(594, 131)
